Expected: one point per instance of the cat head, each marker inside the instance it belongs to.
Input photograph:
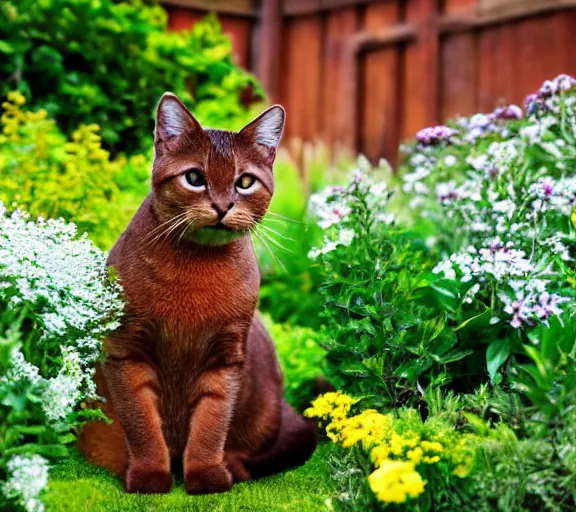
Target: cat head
(212, 186)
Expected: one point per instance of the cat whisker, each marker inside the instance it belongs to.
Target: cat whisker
(274, 241)
(268, 228)
(186, 227)
(261, 239)
(278, 217)
(177, 222)
(159, 227)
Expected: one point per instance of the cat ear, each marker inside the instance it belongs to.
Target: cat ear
(173, 119)
(266, 130)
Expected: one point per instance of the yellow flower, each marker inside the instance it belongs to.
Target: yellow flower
(16, 97)
(380, 454)
(395, 481)
(333, 404)
(463, 470)
(415, 455)
(431, 446)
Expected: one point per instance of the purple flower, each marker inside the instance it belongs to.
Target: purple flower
(508, 112)
(548, 188)
(434, 135)
(565, 82)
(547, 305)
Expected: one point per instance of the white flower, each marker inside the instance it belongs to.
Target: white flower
(345, 237)
(446, 268)
(447, 192)
(27, 476)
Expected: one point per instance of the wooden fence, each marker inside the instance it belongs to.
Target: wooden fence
(366, 74)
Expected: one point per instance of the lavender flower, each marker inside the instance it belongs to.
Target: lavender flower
(435, 135)
(508, 112)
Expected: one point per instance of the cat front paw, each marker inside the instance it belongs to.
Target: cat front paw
(208, 480)
(146, 480)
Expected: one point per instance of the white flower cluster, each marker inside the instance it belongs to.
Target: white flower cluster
(27, 476)
(45, 266)
(59, 282)
(333, 205)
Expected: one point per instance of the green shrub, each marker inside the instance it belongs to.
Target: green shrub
(52, 176)
(290, 280)
(300, 358)
(463, 306)
(108, 62)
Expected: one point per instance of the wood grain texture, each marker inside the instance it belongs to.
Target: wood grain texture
(240, 32)
(454, 6)
(340, 27)
(380, 120)
(301, 80)
(486, 94)
(459, 73)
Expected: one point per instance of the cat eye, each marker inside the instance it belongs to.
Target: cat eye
(247, 184)
(194, 180)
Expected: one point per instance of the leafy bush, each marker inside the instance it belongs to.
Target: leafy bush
(489, 210)
(56, 304)
(289, 291)
(51, 176)
(300, 358)
(108, 62)
(462, 305)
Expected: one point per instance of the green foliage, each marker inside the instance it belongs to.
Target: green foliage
(463, 307)
(52, 176)
(300, 358)
(290, 280)
(108, 63)
(386, 317)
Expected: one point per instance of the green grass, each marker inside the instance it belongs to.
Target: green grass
(75, 485)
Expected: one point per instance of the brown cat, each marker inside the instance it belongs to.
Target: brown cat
(191, 374)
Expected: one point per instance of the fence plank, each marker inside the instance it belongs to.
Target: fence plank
(379, 124)
(340, 26)
(301, 76)
(240, 32)
(486, 93)
(459, 69)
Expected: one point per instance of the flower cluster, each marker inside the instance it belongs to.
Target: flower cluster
(57, 304)
(28, 475)
(399, 447)
(336, 208)
(545, 98)
(501, 196)
(434, 135)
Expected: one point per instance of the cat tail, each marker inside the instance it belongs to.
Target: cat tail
(105, 444)
(295, 444)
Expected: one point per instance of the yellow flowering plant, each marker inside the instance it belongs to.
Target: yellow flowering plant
(50, 175)
(400, 453)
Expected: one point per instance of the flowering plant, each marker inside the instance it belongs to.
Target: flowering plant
(406, 462)
(56, 304)
(50, 175)
(384, 337)
(496, 199)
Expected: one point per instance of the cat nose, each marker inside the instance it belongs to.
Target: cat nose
(222, 210)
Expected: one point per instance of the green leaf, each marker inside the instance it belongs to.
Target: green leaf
(476, 321)
(496, 354)
(455, 355)
(6, 47)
